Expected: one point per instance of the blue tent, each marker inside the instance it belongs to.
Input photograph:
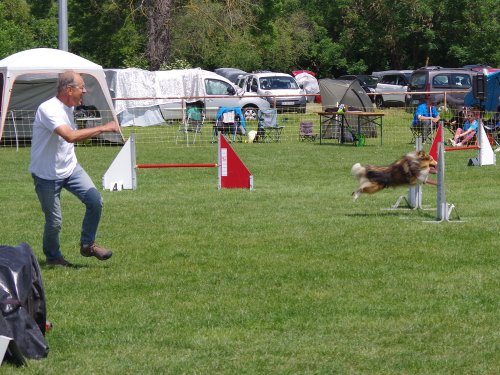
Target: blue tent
(491, 102)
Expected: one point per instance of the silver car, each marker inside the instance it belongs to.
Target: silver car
(392, 86)
(281, 90)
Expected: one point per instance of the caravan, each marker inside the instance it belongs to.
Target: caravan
(144, 98)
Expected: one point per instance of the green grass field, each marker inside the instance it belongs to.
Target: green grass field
(290, 278)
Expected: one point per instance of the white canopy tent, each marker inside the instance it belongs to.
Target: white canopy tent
(28, 78)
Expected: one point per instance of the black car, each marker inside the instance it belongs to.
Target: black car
(231, 74)
(367, 82)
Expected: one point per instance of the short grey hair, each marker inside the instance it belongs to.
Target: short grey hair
(66, 79)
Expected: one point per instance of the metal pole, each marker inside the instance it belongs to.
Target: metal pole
(415, 192)
(441, 204)
(63, 25)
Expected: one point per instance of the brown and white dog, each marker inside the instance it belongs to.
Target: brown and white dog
(410, 169)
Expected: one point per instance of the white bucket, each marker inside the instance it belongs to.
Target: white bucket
(251, 135)
(4, 343)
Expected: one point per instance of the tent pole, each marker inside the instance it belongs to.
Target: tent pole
(63, 25)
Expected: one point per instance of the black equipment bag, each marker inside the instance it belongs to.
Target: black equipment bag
(22, 303)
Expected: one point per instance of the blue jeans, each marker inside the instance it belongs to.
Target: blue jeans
(49, 195)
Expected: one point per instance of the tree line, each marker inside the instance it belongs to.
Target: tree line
(329, 37)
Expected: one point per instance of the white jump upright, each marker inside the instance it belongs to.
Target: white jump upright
(121, 173)
(485, 154)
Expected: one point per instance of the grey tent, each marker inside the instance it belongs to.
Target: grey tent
(350, 93)
(335, 92)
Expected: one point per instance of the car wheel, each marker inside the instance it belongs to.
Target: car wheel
(379, 102)
(250, 113)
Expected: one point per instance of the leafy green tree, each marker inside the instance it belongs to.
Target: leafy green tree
(41, 8)
(468, 32)
(211, 34)
(15, 30)
(107, 32)
(328, 37)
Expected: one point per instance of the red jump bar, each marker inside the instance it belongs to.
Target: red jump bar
(461, 148)
(176, 165)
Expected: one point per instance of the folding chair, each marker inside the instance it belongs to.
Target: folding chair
(306, 132)
(227, 123)
(268, 129)
(193, 123)
(418, 131)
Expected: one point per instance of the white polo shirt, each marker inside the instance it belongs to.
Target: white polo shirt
(52, 157)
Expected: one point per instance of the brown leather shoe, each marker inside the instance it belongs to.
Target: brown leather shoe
(59, 262)
(94, 250)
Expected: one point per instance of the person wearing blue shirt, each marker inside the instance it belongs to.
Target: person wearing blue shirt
(425, 116)
(465, 134)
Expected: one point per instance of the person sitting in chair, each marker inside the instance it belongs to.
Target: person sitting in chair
(425, 116)
(465, 134)
(456, 121)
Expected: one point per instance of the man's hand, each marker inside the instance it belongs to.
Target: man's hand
(74, 135)
(111, 126)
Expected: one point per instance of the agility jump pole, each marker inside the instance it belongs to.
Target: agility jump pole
(486, 156)
(141, 166)
(414, 200)
(443, 209)
(232, 172)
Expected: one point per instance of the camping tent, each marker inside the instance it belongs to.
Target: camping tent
(308, 80)
(28, 78)
(350, 93)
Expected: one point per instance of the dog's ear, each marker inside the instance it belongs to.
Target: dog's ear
(421, 154)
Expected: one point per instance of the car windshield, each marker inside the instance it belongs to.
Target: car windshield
(277, 83)
(368, 80)
(418, 81)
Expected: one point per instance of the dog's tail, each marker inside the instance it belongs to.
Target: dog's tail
(358, 170)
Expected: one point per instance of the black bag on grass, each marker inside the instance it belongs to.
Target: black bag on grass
(22, 301)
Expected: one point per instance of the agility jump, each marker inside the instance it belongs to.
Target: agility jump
(485, 156)
(232, 173)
